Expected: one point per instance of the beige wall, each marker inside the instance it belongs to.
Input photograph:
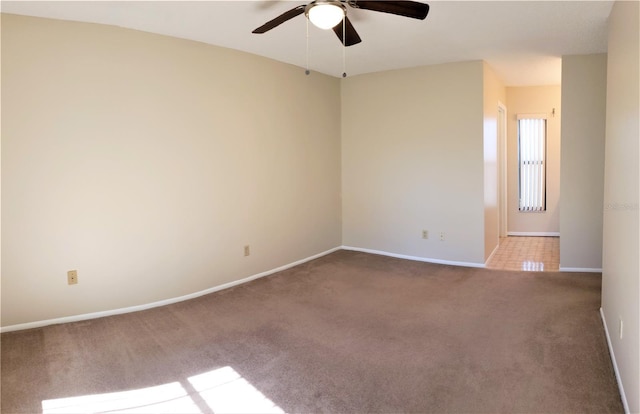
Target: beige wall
(584, 89)
(494, 93)
(534, 100)
(621, 267)
(147, 163)
(412, 145)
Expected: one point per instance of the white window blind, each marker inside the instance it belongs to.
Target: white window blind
(532, 133)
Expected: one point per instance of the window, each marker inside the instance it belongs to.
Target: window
(532, 137)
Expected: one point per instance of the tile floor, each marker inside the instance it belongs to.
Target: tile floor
(535, 254)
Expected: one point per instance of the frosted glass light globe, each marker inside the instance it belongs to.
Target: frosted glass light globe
(326, 16)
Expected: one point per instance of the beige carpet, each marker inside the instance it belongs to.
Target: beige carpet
(346, 333)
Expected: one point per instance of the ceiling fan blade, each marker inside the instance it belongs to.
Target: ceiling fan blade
(352, 36)
(411, 9)
(280, 19)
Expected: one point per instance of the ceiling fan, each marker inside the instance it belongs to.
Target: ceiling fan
(332, 14)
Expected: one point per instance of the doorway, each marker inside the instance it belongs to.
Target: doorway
(521, 252)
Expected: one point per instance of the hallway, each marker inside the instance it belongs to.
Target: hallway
(534, 254)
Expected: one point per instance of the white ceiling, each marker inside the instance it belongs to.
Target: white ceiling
(522, 40)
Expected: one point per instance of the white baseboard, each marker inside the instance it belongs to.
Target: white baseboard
(615, 364)
(534, 233)
(94, 315)
(581, 269)
(416, 258)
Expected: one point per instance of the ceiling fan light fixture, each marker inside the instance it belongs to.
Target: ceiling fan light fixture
(326, 15)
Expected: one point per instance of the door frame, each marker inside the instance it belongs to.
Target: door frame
(502, 170)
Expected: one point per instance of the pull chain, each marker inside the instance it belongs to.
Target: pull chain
(344, 46)
(307, 71)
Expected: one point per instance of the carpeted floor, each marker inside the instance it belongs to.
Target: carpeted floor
(347, 333)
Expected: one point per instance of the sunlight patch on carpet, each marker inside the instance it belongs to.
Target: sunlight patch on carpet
(167, 398)
(223, 390)
(226, 391)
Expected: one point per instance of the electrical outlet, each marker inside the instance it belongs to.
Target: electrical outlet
(442, 236)
(72, 277)
(425, 234)
(620, 327)
(247, 250)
